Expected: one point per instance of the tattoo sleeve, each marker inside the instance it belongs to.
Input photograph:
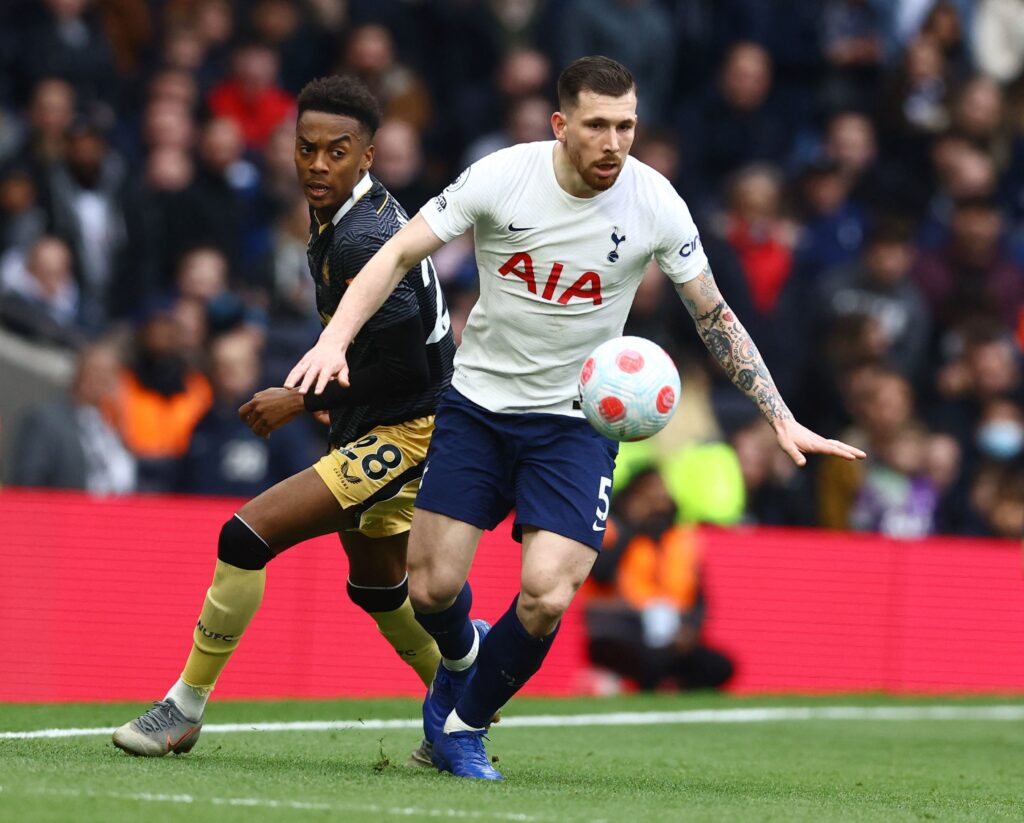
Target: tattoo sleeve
(730, 344)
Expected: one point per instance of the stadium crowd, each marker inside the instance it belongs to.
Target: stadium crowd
(856, 168)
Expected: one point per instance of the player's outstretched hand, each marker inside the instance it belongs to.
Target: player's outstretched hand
(796, 441)
(270, 409)
(324, 361)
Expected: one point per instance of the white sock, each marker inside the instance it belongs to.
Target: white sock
(190, 699)
(454, 723)
(464, 663)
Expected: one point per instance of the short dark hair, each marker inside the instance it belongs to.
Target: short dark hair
(595, 73)
(343, 95)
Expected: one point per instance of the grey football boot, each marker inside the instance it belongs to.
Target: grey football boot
(161, 730)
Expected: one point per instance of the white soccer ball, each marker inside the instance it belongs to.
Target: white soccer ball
(629, 388)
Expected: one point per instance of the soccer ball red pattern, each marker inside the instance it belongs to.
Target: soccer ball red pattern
(629, 388)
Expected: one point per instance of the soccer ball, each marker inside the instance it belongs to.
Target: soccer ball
(629, 388)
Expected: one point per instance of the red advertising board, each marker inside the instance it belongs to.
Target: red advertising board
(99, 597)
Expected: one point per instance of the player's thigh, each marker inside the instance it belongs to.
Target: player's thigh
(553, 569)
(296, 509)
(564, 480)
(441, 551)
(375, 561)
(469, 472)
(375, 478)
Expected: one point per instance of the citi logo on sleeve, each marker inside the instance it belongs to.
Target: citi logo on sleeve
(690, 247)
(613, 255)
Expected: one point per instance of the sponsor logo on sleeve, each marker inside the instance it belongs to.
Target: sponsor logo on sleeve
(690, 247)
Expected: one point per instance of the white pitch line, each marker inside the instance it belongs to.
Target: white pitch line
(299, 805)
(713, 716)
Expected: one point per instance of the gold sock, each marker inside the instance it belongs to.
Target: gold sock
(410, 640)
(231, 601)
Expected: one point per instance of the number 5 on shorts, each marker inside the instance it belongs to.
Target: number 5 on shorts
(603, 504)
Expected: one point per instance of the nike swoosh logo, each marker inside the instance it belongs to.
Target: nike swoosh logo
(512, 227)
(599, 528)
(172, 744)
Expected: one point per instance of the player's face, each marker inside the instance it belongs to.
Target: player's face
(331, 154)
(597, 133)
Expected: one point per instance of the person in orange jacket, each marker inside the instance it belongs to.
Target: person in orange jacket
(644, 603)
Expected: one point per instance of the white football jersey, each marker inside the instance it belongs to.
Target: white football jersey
(557, 273)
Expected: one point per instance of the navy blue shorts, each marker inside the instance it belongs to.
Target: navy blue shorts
(555, 471)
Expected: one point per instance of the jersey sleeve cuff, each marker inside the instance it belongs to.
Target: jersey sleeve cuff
(435, 221)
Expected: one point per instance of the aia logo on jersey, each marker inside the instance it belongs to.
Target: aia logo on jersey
(587, 286)
(613, 255)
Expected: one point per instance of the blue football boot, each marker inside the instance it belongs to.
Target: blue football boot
(446, 690)
(463, 754)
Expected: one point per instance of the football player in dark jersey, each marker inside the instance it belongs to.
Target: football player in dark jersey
(364, 488)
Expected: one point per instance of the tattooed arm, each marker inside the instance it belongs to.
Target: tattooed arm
(729, 343)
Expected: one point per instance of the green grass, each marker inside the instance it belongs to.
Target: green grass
(816, 770)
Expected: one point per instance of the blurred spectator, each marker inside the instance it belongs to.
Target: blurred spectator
(85, 199)
(853, 42)
(528, 120)
(979, 115)
(282, 25)
(40, 299)
(851, 140)
(73, 443)
(881, 403)
(997, 501)
(988, 369)
(291, 288)
(997, 45)
(163, 397)
(252, 98)
(398, 164)
(65, 41)
(737, 122)
(165, 214)
(879, 286)
(962, 172)
(833, 225)
(764, 240)
(897, 498)
(22, 218)
(915, 101)
(637, 33)
(224, 457)
(50, 114)
(370, 56)
(776, 491)
(226, 184)
(972, 272)
(644, 601)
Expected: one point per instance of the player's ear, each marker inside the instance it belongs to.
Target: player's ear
(367, 159)
(558, 126)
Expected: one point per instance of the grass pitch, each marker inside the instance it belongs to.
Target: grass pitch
(720, 765)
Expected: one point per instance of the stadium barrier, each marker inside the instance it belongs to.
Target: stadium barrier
(99, 596)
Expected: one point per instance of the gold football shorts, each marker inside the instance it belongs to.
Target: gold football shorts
(376, 478)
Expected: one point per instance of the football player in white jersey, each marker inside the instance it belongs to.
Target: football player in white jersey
(563, 232)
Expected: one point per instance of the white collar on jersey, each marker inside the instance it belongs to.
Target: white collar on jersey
(361, 188)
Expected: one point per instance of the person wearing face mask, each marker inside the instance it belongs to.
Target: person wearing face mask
(995, 496)
(1000, 432)
(645, 605)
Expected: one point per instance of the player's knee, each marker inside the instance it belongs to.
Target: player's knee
(544, 609)
(240, 546)
(433, 593)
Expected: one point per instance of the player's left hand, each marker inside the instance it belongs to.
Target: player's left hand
(796, 441)
(270, 409)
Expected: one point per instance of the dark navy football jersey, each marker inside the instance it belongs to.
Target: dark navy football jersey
(336, 254)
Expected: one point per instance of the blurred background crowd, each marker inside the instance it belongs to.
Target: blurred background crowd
(856, 168)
